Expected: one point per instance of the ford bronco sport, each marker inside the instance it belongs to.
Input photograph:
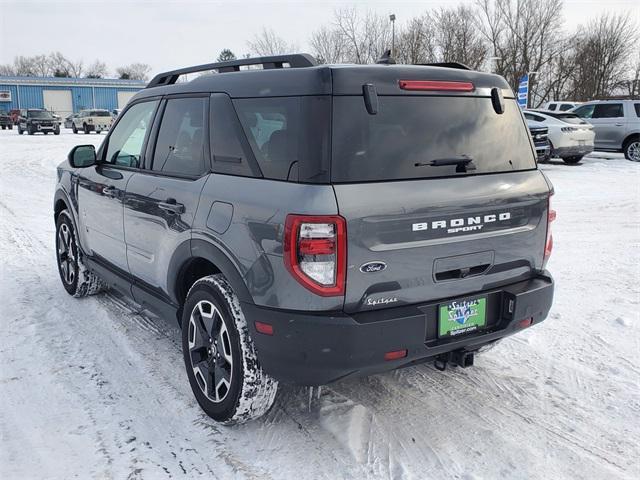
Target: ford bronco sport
(305, 223)
(37, 120)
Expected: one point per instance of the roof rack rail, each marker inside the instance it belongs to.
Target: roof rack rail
(458, 65)
(299, 60)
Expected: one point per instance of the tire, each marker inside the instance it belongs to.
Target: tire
(85, 128)
(218, 351)
(56, 132)
(632, 150)
(20, 131)
(73, 128)
(77, 280)
(30, 130)
(10, 127)
(572, 160)
(4, 127)
(45, 132)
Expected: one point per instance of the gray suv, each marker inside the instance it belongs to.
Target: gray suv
(306, 223)
(616, 124)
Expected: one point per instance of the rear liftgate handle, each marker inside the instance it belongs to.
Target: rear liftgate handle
(170, 205)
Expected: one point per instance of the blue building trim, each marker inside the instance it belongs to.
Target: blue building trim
(27, 92)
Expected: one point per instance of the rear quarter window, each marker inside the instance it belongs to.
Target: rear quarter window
(289, 136)
(637, 107)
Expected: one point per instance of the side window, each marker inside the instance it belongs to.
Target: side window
(552, 106)
(637, 107)
(565, 106)
(608, 110)
(528, 116)
(180, 144)
(126, 139)
(586, 111)
(230, 151)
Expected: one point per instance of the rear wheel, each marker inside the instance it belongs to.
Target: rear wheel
(10, 127)
(572, 160)
(76, 278)
(20, 131)
(221, 362)
(632, 150)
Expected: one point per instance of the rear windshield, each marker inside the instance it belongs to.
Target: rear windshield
(568, 118)
(100, 113)
(409, 132)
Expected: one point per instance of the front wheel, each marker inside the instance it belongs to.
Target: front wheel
(56, 131)
(10, 127)
(73, 128)
(20, 131)
(221, 362)
(86, 129)
(632, 150)
(76, 278)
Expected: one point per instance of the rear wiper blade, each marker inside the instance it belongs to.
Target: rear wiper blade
(462, 164)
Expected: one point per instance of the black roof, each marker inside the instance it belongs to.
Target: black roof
(311, 79)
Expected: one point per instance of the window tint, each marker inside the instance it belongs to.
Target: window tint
(637, 107)
(289, 136)
(586, 111)
(565, 106)
(608, 110)
(231, 153)
(552, 106)
(126, 139)
(180, 145)
(409, 132)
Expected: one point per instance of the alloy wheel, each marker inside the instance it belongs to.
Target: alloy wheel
(66, 254)
(210, 351)
(634, 151)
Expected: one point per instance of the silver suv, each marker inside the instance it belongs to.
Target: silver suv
(616, 123)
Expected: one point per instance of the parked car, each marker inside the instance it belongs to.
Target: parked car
(37, 121)
(5, 120)
(333, 228)
(540, 137)
(15, 115)
(92, 121)
(555, 106)
(571, 138)
(116, 112)
(616, 123)
(68, 122)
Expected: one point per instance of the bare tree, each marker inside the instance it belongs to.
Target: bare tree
(7, 70)
(97, 69)
(59, 65)
(457, 37)
(268, 43)
(365, 37)
(603, 51)
(135, 71)
(416, 41)
(526, 36)
(329, 45)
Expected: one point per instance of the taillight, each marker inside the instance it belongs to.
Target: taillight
(548, 246)
(436, 85)
(315, 252)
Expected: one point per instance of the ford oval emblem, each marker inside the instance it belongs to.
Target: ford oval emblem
(373, 267)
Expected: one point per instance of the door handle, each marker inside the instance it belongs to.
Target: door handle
(619, 124)
(109, 191)
(170, 205)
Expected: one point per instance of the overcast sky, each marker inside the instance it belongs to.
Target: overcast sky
(171, 34)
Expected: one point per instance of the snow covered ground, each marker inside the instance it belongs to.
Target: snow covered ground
(94, 388)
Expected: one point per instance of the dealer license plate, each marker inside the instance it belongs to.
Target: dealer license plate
(462, 316)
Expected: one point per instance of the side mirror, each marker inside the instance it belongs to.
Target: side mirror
(82, 156)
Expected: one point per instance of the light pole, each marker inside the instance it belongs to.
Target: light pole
(392, 17)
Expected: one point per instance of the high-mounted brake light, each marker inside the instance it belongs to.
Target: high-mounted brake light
(436, 85)
(548, 246)
(315, 252)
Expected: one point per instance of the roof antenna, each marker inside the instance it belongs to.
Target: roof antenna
(386, 59)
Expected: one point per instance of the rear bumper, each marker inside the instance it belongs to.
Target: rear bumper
(316, 349)
(572, 151)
